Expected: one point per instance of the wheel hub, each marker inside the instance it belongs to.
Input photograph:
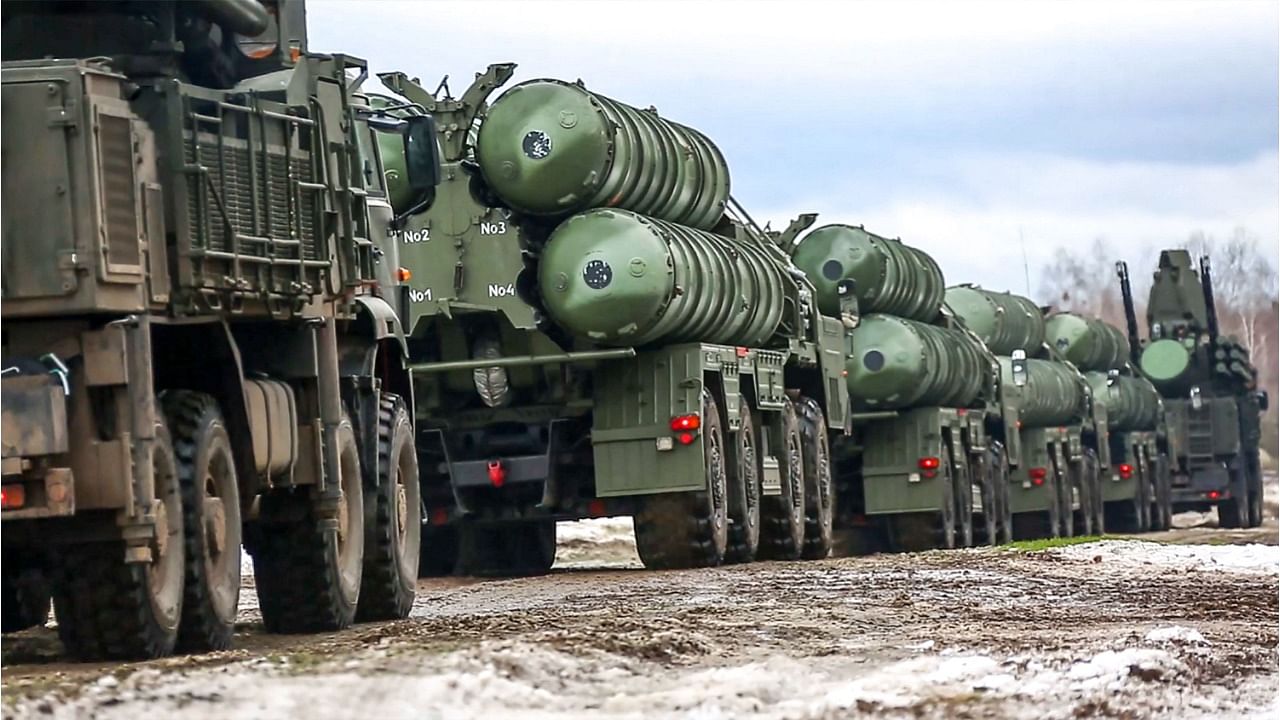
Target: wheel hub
(215, 525)
(161, 530)
(343, 517)
(402, 510)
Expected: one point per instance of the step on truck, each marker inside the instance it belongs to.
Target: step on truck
(1209, 389)
(919, 467)
(595, 329)
(201, 346)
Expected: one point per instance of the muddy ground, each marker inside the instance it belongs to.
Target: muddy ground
(1118, 628)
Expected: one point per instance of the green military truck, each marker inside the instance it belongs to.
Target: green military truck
(595, 328)
(1053, 429)
(1136, 489)
(200, 344)
(918, 463)
(1209, 388)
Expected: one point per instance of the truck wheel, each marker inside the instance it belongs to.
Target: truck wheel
(819, 489)
(983, 469)
(1253, 483)
(25, 596)
(1234, 513)
(438, 551)
(1093, 473)
(393, 522)
(1000, 476)
(963, 499)
(744, 505)
(782, 516)
(1083, 479)
(690, 529)
(109, 609)
(1064, 484)
(211, 514)
(1054, 514)
(506, 550)
(1144, 507)
(307, 567)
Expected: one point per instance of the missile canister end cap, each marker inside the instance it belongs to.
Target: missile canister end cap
(587, 254)
(541, 142)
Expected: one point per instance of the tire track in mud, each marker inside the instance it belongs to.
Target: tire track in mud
(985, 632)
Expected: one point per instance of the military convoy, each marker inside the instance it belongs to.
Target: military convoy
(377, 334)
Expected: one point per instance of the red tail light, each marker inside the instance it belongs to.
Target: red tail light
(1213, 494)
(1037, 475)
(929, 466)
(683, 423)
(13, 497)
(497, 474)
(686, 438)
(1126, 471)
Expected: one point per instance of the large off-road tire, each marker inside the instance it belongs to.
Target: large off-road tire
(1083, 475)
(438, 551)
(109, 609)
(211, 515)
(1253, 475)
(393, 518)
(690, 529)
(819, 487)
(963, 499)
(307, 568)
(1064, 484)
(1234, 512)
(988, 532)
(782, 516)
(25, 600)
(1000, 478)
(744, 490)
(506, 550)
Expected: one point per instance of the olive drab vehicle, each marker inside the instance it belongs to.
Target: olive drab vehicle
(1052, 430)
(596, 329)
(201, 345)
(918, 468)
(1209, 391)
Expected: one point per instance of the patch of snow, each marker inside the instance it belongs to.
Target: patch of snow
(1176, 634)
(1253, 558)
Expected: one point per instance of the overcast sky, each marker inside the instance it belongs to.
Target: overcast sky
(959, 127)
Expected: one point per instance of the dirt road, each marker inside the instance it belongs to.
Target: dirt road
(1117, 628)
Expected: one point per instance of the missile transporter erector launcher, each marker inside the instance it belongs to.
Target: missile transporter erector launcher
(596, 330)
(199, 345)
(1052, 430)
(1136, 489)
(917, 465)
(1209, 390)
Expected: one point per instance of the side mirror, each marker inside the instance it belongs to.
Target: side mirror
(1264, 400)
(1196, 401)
(421, 153)
(1019, 366)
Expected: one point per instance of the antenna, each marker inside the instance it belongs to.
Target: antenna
(1026, 269)
(1130, 316)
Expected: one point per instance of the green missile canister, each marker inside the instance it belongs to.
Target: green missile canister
(1054, 393)
(619, 278)
(1089, 343)
(1004, 321)
(889, 277)
(552, 148)
(898, 363)
(1132, 402)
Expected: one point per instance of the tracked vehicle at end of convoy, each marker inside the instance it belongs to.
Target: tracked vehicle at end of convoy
(201, 343)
